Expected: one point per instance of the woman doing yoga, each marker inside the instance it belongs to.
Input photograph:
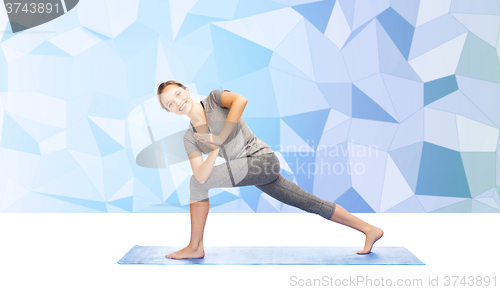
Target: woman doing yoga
(217, 129)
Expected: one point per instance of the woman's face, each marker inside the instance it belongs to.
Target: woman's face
(176, 99)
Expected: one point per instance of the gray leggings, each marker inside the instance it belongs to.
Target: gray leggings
(262, 171)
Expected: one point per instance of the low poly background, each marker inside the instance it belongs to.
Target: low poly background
(400, 99)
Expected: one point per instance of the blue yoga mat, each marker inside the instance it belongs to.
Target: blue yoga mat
(155, 255)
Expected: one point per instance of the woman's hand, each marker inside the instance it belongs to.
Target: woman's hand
(211, 140)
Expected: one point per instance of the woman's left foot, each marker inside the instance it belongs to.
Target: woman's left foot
(187, 253)
(372, 236)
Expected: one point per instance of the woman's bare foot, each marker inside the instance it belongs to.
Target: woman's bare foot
(372, 235)
(187, 253)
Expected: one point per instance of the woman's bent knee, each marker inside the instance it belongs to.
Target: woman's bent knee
(197, 192)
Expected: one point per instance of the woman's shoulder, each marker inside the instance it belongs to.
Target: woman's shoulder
(213, 100)
(218, 91)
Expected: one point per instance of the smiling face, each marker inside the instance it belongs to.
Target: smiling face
(176, 99)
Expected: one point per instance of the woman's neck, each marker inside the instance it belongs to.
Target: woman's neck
(197, 114)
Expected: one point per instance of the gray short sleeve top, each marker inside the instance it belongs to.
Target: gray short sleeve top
(242, 142)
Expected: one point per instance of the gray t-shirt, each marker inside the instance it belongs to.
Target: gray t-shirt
(242, 142)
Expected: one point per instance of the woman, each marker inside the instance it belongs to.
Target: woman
(217, 129)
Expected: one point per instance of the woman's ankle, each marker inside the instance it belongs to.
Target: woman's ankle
(367, 229)
(195, 246)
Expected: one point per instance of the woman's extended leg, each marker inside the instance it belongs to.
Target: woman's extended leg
(342, 216)
(290, 193)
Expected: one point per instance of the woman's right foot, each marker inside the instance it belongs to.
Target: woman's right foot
(373, 235)
(187, 253)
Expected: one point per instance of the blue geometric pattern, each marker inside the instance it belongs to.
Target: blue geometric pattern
(379, 106)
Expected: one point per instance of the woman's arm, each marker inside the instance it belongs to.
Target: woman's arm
(202, 169)
(236, 104)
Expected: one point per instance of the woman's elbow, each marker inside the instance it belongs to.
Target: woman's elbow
(199, 179)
